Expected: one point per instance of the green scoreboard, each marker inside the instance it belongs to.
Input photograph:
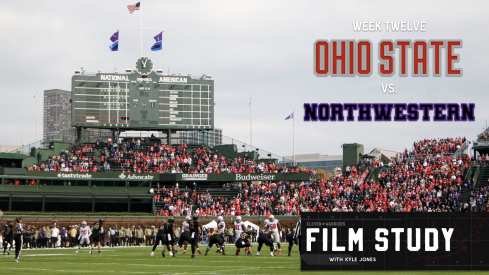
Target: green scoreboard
(136, 101)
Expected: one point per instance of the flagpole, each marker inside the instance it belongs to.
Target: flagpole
(141, 26)
(37, 115)
(251, 128)
(293, 137)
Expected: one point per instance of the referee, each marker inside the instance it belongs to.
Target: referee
(297, 235)
(19, 239)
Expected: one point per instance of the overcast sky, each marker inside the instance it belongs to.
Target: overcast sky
(258, 49)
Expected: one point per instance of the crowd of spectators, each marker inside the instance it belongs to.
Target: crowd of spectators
(214, 162)
(426, 178)
(435, 147)
(178, 203)
(484, 135)
(132, 157)
(479, 199)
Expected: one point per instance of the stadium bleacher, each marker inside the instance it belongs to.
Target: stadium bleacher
(432, 176)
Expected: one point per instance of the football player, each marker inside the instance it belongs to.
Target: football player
(239, 227)
(266, 238)
(170, 236)
(274, 227)
(84, 237)
(185, 237)
(160, 237)
(221, 225)
(218, 237)
(8, 236)
(97, 232)
(195, 231)
(290, 240)
(244, 240)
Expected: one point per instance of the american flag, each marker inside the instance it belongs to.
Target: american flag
(133, 8)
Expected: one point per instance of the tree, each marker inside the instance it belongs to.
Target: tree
(329, 176)
(320, 174)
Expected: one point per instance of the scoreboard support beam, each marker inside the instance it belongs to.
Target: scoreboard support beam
(79, 135)
(168, 137)
(115, 136)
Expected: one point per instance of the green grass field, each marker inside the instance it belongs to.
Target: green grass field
(137, 260)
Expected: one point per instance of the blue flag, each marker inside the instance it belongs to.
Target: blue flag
(115, 37)
(114, 47)
(159, 37)
(157, 46)
(290, 116)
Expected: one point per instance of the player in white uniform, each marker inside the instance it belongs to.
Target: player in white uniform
(221, 225)
(84, 237)
(239, 227)
(274, 226)
(185, 225)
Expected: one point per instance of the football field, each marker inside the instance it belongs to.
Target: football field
(137, 260)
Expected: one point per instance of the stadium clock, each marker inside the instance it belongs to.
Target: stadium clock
(144, 65)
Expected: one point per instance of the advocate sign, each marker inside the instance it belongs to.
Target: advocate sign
(394, 241)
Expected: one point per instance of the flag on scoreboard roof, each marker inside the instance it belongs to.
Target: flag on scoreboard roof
(115, 36)
(290, 116)
(157, 46)
(134, 7)
(114, 47)
(159, 37)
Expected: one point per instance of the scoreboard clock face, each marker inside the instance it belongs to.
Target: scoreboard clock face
(142, 102)
(144, 65)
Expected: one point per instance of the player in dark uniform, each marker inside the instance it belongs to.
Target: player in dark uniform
(160, 237)
(244, 240)
(265, 237)
(19, 230)
(97, 235)
(170, 229)
(195, 231)
(8, 236)
(185, 237)
(218, 239)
